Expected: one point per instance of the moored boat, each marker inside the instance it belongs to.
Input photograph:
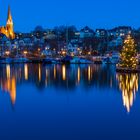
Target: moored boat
(77, 60)
(20, 60)
(4, 60)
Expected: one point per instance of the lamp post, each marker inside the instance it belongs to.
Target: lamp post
(25, 53)
(7, 53)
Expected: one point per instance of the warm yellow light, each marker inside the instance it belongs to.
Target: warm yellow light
(26, 71)
(89, 73)
(89, 53)
(63, 52)
(39, 73)
(78, 49)
(128, 84)
(72, 54)
(7, 52)
(13, 90)
(8, 73)
(78, 75)
(64, 72)
(54, 71)
(25, 52)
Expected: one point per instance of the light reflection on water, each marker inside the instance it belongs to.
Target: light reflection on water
(68, 102)
(128, 84)
(71, 77)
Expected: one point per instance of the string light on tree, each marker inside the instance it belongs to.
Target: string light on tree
(128, 59)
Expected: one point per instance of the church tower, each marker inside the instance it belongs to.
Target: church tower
(8, 30)
(10, 25)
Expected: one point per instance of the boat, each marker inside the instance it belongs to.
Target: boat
(50, 61)
(66, 59)
(20, 60)
(111, 60)
(98, 60)
(77, 60)
(4, 60)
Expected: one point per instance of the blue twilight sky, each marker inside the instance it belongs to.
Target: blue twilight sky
(49, 13)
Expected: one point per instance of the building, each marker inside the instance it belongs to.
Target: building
(121, 31)
(101, 33)
(8, 30)
(86, 32)
(116, 42)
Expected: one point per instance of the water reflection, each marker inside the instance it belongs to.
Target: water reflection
(69, 77)
(26, 71)
(64, 72)
(54, 72)
(8, 71)
(89, 73)
(8, 84)
(78, 75)
(39, 72)
(128, 84)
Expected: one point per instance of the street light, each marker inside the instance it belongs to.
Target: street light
(25, 53)
(7, 53)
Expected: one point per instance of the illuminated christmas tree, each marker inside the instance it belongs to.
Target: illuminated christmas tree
(128, 59)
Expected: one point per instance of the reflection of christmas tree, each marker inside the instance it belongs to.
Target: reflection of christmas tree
(128, 54)
(128, 84)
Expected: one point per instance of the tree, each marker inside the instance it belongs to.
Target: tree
(38, 29)
(128, 54)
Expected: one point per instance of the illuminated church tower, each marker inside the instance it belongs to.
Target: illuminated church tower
(9, 25)
(8, 30)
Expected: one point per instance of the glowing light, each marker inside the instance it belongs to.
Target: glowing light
(8, 73)
(25, 52)
(13, 90)
(128, 84)
(89, 53)
(26, 71)
(39, 73)
(8, 30)
(64, 72)
(54, 72)
(7, 52)
(78, 75)
(89, 73)
(63, 52)
(10, 87)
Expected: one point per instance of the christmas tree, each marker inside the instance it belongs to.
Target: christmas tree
(128, 59)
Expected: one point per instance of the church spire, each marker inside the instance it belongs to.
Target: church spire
(10, 25)
(9, 16)
(8, 30)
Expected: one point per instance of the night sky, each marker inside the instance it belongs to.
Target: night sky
(49, 13)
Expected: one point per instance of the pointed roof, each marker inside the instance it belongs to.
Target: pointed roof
(9, 16)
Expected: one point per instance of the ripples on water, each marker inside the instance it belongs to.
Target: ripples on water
(69, 79)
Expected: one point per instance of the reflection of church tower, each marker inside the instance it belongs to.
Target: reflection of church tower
(9, 25)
